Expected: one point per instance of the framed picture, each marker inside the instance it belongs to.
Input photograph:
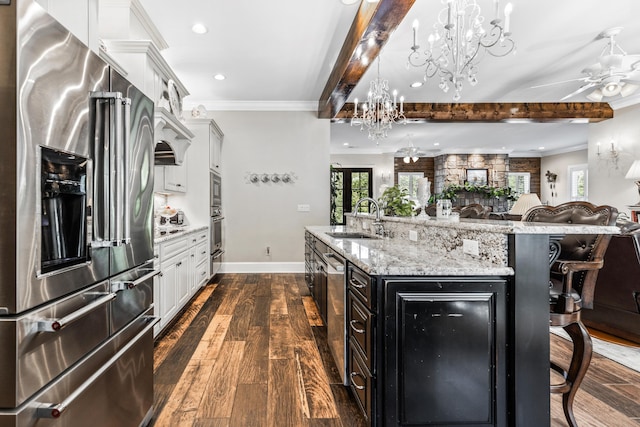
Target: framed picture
(477, 176)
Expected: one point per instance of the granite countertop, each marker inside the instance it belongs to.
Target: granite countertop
(177, 231)
(400, 256)
(385, 256)
(505, 227)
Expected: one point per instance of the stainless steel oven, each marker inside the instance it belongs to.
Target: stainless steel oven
(216, 191)
(215, 228)
(216, 233)
(216, 248)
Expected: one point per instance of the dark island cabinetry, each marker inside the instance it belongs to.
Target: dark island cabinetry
(444, 350)
(316, 272)
(428, 351)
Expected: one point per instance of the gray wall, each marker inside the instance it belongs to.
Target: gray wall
(261, 215)
(607, 184)
(559, 164)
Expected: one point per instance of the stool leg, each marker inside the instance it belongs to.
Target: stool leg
(580, 360)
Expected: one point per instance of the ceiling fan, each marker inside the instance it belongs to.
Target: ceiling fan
(410, 154)
(615, 71)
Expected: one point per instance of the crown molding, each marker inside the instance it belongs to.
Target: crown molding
(253, 105)
(628, 101)
(148, 48)
(148, 25)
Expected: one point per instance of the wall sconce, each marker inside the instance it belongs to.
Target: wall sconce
(634, 174)
(610, 155)
(257, 178)
(385, 176)
(551, 179)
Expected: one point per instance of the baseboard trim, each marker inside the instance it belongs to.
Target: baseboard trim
(262, 267)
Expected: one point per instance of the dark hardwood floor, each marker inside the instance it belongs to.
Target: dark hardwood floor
(250, 350)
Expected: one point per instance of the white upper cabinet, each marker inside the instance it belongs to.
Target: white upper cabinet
(215, 147)
(80, 17)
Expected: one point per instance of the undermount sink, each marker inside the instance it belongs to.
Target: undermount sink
(350, 235)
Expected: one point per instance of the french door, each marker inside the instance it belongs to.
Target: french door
(348, 185)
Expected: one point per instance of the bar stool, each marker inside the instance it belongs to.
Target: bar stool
(572, 284)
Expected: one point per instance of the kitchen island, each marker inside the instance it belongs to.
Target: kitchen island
(452, 328)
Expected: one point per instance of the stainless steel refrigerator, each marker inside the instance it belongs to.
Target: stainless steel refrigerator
(76, 232)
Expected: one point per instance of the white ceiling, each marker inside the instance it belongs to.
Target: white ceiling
(278, 55)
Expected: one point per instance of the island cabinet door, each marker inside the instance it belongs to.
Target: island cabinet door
(444, 352)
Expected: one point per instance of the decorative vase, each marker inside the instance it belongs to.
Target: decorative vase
(424, 194)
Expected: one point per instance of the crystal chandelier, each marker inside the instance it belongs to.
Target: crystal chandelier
(459, 42)
(379, 112)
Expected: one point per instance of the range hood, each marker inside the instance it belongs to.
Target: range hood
(172, 139)
(164, 154)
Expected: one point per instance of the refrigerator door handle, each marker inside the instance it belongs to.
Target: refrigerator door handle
(119, 172)
(130, 284)
(55, 410)
(55, 325)
(114, 230)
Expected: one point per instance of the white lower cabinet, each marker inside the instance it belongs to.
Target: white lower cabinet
(184, 270)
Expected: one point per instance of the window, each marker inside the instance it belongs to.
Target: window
(519, 182)
(348, 185)
(409, 182)
(578, 175)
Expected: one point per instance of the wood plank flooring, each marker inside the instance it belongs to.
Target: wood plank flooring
(251, 350)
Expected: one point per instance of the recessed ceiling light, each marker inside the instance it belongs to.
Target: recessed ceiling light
(199, 28)
(346, 144)
(349, 1)
(540, 148)
(219, 76)
(416, 84)
(436, 143)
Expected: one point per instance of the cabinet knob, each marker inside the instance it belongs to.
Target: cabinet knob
(179, 264)
(178, 185)
(356, 284)
(353, 375)
(353, 324)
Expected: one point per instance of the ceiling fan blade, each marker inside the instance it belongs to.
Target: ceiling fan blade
(580, 90)
(559, 83)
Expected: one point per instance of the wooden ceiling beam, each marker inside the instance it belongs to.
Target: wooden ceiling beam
(499, 112)
(373, 20)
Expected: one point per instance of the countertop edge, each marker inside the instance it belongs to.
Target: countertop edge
(477, 268)
(181, 233)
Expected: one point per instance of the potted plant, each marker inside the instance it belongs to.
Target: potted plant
(395, 201)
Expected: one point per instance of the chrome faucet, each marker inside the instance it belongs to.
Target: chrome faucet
(379, 228)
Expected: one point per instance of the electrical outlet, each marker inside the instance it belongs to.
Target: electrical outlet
(365, 225)
(470, 247)
(304, 208)
(413, 235)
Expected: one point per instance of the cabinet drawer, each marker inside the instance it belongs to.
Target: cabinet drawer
(360, 382)
(201, 252)
(201, 273)
(360, 330)
(201, 236)
(197, 238)
(361, 285)
(173, 247)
